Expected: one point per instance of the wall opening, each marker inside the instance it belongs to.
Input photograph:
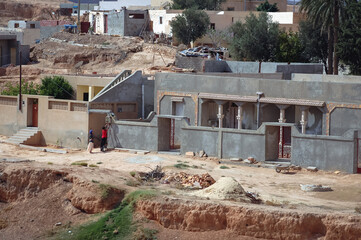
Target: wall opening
(136, 16)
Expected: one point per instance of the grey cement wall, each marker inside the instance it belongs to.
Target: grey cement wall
(288, 70)
(326, 78)
(344, 116)
(116, 23)
(252, 67)
(224, 143)
(189, 106)
(133, 27)
(216, 66)
(130, 90)
(134, 135)
(278, 76)
(336, 92)
(195, 63)
(325, 152)
(48, 31)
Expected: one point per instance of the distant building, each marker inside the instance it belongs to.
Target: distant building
(10, 48)
(121, 22)
(119, 4)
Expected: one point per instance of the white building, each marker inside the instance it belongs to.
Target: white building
(118, 4)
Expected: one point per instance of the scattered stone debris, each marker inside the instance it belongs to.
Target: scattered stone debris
(250, 160)
(315, 188)
(202, 153)
(190, 154)
(227, 188)
(236, 159)
(156, 174)
(287, 168)
(189, 180)
(337, 172)
(58, 224)
(312, 169)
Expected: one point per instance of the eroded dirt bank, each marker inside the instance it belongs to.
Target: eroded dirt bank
(36, 200)
(252, 221)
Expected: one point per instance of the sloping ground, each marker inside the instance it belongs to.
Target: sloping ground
(34, 198)
(259, 222)
(28, 10)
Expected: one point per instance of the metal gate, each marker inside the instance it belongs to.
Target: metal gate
(284, 146)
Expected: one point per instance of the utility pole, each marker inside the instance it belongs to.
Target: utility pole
(20, 100)
(78, 25)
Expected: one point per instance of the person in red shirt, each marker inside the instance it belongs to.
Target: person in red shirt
(103, 143)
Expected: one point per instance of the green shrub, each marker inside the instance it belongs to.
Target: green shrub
(181, 166)
(224, 167)
(80, 164)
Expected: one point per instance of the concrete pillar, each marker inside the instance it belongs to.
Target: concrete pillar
(304, 117)
(282, 108)
(220, 114)
(282, 118)
(239, 114)
(91, 93)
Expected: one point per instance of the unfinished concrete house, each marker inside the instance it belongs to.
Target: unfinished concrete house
(43, 120)
(122, 22)
(307, 121)
(10, 48)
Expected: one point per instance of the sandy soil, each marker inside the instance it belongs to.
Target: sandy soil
(114, 167)
(277, 188)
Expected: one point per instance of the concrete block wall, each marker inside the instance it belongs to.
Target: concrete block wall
(134, 135)
(195, 63)
(325, 152)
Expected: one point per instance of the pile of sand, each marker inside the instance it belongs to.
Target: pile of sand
(226, 188)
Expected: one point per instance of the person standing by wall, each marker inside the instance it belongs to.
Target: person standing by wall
(91, 141)
(104, 138)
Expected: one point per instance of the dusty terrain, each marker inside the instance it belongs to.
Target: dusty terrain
(69, 196)
(67, 53)
(29, 10)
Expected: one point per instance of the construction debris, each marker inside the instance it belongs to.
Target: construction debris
(227, 188)
(312, 169)
(154, 175)
(171, 68)
(287, 168)
(315, 188)
(189, 180)
(190, 154)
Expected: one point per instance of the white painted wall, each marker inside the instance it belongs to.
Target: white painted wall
(282, 17)
(98, 18)
(155, 16)
(122, 3)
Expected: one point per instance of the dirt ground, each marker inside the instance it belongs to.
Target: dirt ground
(114, 167)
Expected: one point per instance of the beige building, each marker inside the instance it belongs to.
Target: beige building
(245, 5)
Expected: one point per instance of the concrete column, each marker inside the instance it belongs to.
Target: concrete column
(282, 118)
(91, 92)
(282, 108)
(239, 114)
(304, 117)
(220, 114)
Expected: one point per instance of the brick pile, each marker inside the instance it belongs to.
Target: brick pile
(189, 180)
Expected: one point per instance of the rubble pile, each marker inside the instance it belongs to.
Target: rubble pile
(227, 188)
(189, 180)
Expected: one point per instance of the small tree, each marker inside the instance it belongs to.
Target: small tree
(350, 37)
(197, 4)
(190, 25)
(267, 7)
(255, 40)
(315, 42)
(26, 88)
(56, 86)
(217, 36)
(290, 48)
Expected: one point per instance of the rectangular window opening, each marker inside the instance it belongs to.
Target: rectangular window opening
(136, 16)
